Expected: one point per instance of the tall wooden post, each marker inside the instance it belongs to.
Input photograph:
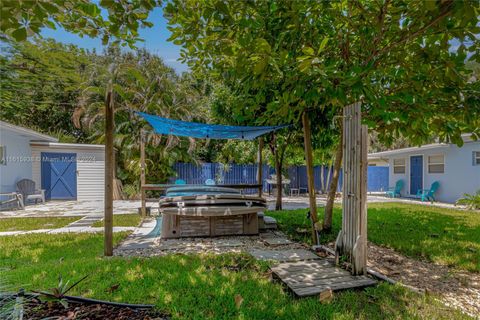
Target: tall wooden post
(307, 136)
(352, 239)
(142, 171)
(109, 167)
(260, 166)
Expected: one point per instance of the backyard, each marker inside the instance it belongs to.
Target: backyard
(260, 159)
(209, 286)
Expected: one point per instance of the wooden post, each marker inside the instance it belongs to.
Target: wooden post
(352, 239)
(142, 171)
(260, 166)
(307, 136)
(109, 167)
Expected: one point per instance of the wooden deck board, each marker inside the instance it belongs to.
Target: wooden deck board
(308, 278)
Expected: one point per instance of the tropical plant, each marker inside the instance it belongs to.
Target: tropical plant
(471, 201)
(140, 82)
(58, 293)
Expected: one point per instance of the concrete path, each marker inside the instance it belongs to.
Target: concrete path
(144, 236)
(95, 208)
(74, 208)
(66, 230)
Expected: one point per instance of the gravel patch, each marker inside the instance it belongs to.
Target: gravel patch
(458, 289)
(217, 245)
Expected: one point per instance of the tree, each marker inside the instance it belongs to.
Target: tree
(41, 85)
(22, 19)
(395, 57)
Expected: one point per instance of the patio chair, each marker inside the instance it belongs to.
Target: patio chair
(210, 182)
(180, 181)
(392, 192)
(428, 194)
(11, 197)
(26, 188)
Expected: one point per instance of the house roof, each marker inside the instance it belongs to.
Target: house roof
(26, 132)
(54, 145)
(381, 155)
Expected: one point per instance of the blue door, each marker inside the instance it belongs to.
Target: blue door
(59, 175)
(416, 174)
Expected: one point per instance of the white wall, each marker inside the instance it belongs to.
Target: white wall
(460, 175)
(18, 153)
(90, 169)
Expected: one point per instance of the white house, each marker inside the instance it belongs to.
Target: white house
(67, 171)
(457, 169)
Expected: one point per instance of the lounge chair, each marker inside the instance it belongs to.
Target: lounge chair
(210, 182)
(26, 188)
(180, 181)
(11, 197)
(392, 192)
(428, 194)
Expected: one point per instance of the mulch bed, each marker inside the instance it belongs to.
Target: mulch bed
(35, 309)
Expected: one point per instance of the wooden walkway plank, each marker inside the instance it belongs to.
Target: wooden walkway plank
(307, 278)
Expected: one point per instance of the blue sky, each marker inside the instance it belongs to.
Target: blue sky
(155, 40)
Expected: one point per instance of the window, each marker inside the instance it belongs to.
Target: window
(398, 165)
(476, 158)
(3, 155)
(436, 164)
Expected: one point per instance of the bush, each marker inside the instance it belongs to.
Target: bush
(472, 201)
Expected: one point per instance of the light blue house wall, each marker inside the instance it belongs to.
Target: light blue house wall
(18, 154)
(460, 175)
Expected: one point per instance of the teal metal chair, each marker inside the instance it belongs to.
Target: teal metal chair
(393, 192)
(210, 182)
(180, 181)
(429, 194)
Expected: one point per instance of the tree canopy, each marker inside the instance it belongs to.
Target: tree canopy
(113, 21)
(396, 57)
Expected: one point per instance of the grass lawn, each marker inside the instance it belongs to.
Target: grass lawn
(194, 286)
(445, 236)
(24, 224)
(122, 220)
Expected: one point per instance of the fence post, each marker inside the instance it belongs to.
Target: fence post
(142, 171)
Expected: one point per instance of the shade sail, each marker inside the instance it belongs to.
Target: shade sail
(209, 131)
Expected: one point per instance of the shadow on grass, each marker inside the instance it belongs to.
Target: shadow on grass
(193, 286)
(445, 236)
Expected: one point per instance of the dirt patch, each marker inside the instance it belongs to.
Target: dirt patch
(459, 289)
(35, 309)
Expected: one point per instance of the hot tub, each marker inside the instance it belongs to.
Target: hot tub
(205, 211)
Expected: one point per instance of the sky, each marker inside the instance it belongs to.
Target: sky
(155, 40)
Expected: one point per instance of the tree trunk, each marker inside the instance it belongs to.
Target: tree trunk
(260, 166)
(329, 174)
(327, 221)
(307, 141)
(278, 171)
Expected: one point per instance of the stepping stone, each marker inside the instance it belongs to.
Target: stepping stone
(273, 241)
(283, 255)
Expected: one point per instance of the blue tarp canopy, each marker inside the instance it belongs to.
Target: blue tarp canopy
(208, 131)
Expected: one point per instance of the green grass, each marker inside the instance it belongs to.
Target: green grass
(194, 286)
(122, 220)
(25, 224)
(445, 236)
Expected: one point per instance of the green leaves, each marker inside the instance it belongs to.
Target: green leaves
(20, 34)
(21, 19)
